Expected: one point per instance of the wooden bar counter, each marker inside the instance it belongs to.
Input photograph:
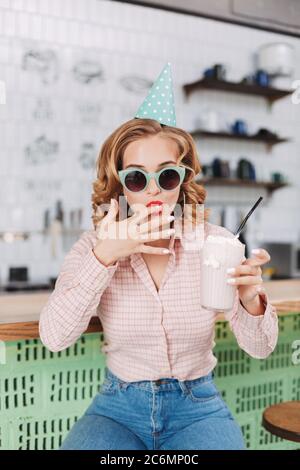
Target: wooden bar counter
(19, 312)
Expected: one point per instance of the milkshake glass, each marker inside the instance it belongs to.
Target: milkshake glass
(217, 255)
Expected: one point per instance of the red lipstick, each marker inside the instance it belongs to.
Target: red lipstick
(154, 203)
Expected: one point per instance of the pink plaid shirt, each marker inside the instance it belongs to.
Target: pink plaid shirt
(148, 334)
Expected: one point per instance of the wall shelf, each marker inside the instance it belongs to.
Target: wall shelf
(236, 182)
(267, 92)
(269, 141)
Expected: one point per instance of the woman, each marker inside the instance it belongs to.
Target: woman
(159, 391)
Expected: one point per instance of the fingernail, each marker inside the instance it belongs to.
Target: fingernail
(166, 251)
(230, 270)
(230, 281)
(256, 251)
(171, 217)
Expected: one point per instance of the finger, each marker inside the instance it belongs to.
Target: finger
(155, 223)
(113, 210)
(99, 213)
(157, 235)
(152, 250)
(255, 261)
(144, 212)
(261, 253)
(101, 226)
(244, 269)
(245, 280)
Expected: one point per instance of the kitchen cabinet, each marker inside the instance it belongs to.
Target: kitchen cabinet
(282, 16)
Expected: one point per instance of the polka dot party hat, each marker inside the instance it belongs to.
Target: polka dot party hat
(159, 103)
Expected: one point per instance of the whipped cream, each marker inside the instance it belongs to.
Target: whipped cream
(221, 240)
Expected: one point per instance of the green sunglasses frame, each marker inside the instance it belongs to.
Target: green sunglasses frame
(156, 174)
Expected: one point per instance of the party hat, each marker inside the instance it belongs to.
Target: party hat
(159, 103)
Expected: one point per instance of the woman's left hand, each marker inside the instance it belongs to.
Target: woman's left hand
(247, 276)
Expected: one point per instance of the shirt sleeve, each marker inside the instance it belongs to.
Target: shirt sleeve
(76, 296)
(256, 335)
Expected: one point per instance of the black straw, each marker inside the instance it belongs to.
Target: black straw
(243, 223)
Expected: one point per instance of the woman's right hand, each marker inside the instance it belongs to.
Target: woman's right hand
(118, 239)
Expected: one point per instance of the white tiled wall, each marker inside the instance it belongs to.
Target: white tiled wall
(125, 44)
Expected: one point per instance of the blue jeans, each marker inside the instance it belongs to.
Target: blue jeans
(165, 414)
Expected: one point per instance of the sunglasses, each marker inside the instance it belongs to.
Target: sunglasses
(136, 180)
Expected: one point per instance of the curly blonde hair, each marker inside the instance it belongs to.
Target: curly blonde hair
(109, 162)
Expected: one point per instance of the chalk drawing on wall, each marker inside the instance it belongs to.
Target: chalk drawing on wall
(87, 155)
(43, 110)
(42, 62)
(89, 112)
(88, 71)
(135, 84)
(41, 151)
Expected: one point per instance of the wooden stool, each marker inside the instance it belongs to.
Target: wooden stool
(283, 420)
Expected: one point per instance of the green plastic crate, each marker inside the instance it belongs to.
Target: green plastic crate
(41, 433)
(250, 385)
(43, 393)
(35, 380)
(21, 354)
(233, 361)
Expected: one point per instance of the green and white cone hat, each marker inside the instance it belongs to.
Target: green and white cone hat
(159, 103)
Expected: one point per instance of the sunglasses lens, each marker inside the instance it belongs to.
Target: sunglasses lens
(169, 179)
(135, 181)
